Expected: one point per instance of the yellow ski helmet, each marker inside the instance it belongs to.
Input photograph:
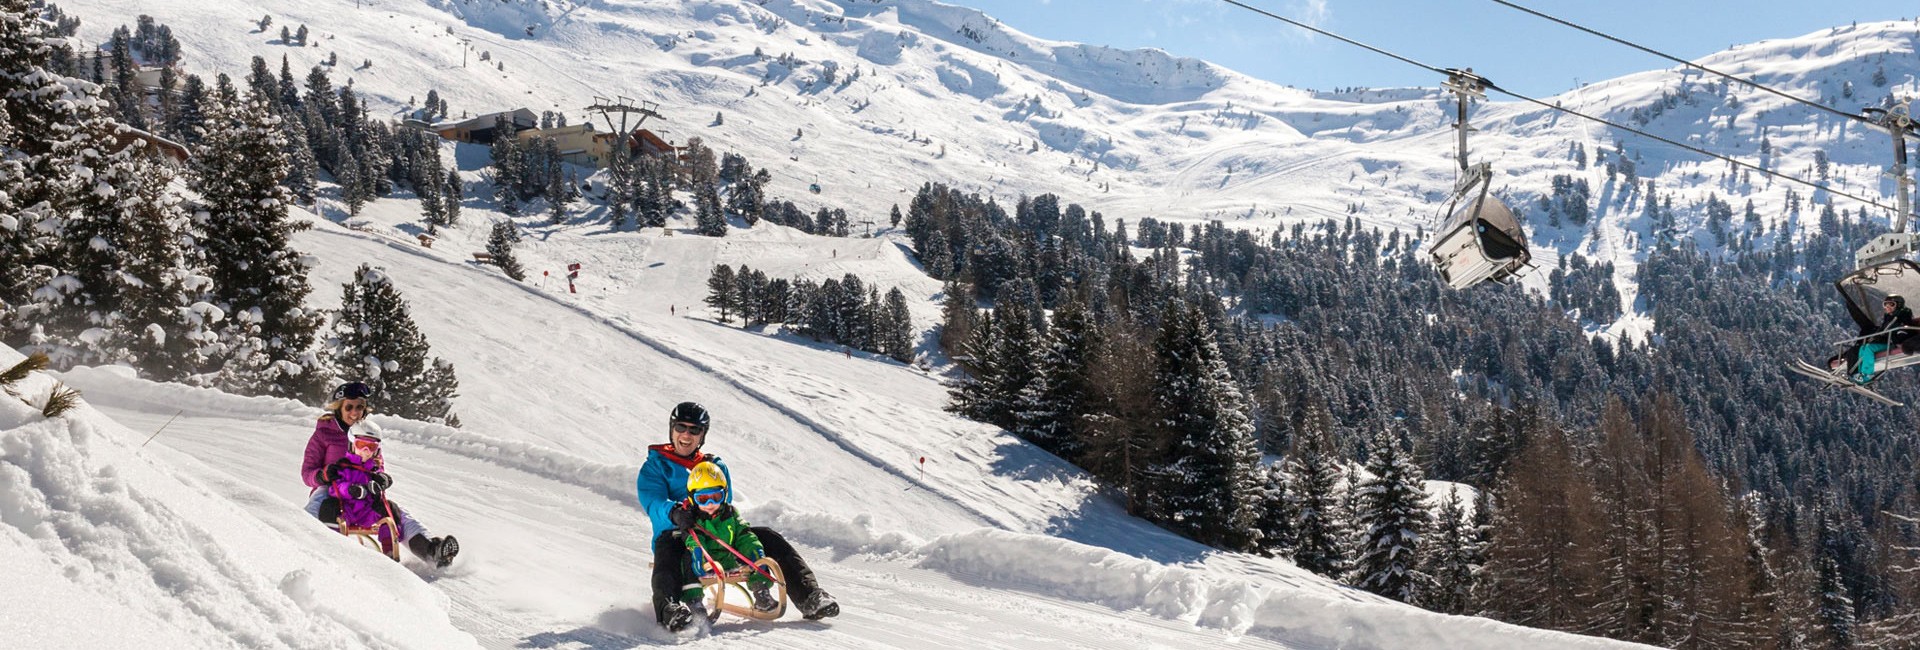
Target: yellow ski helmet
(705, 476)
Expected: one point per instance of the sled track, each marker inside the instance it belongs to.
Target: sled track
(621, 325)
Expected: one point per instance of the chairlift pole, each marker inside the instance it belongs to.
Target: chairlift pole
(1899, 123)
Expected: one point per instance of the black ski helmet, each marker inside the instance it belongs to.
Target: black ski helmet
(690, 413)
(352, 390)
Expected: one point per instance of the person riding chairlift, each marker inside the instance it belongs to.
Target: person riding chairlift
(1890, 339)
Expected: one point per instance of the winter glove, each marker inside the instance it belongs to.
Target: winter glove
(682, 517)
(331, 472)
(358, 492)
(381, 481)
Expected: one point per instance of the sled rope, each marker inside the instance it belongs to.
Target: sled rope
(743, 559)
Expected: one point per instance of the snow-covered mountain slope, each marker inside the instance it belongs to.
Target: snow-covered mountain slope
(993, 544)
(870, 98)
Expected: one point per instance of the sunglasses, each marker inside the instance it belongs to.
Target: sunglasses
(710, 497)
(355, 407)
(682, 427)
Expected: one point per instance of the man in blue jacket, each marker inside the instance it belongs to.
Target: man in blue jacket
(662, 486)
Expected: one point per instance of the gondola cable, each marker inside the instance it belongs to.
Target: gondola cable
(1747, 82)
(1491, 86)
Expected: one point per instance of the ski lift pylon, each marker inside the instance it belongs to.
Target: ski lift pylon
(1481, 240)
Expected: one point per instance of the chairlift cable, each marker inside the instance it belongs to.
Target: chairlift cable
(1491, 86)
(1332, 35)
(1688, 147)
(1690, 64)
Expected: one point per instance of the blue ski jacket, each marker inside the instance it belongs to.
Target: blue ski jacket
(663, 483)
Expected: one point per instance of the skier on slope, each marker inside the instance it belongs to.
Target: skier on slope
(662, 486)
(326, 463)
(713, 514)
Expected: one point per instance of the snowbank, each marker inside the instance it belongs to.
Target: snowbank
(106, 547)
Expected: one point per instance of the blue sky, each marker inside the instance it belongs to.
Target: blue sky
(1515, 50)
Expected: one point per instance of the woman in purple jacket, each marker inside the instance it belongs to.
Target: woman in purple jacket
(327, 459)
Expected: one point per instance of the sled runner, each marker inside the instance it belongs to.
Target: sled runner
(716, 585)
(383, 535)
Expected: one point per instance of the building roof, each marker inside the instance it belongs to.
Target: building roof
(485, 120)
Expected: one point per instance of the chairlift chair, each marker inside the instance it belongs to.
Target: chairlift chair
(1863, 291)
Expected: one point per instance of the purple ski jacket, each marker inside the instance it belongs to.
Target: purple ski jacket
(371, 507)
(329, 443)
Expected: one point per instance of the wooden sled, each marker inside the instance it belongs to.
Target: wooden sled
(370, 537)
(716, 586)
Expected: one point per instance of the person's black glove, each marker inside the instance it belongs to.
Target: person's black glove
(331, 472)
(381, 482)
(358, 492)
(683, 517)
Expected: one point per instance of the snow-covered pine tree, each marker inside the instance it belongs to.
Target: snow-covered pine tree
(58, 167)
(851, 325)
(352, 188)
(500, 247)
(376, 341)
(1313, 480)
(1391, 516)
(1450, 557)
(1276, 518)
(897, 336)
(453, 190)
(302, 170)
(957, 312)
(156, 327)
(1213, 476)
(1050, 408)
(620, 191)
(709, 219)
(1836, 617)
(433, 207)
(972, 394)
(720, 291)
(507, 171)
(257, 277)
(129, 101)
(559, 198)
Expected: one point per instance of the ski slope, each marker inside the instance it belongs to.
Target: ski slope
(992, 544)
(197, 539)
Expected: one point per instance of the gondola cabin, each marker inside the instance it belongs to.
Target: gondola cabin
(1481, 240)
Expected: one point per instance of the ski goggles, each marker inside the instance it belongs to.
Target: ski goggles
(710, 496)
(366, 448)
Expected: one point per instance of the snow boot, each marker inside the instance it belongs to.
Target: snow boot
(819, 605)
(438, 551)
(763, 600)
(680, 614)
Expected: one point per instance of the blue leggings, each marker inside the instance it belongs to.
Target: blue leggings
(1864, 371)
